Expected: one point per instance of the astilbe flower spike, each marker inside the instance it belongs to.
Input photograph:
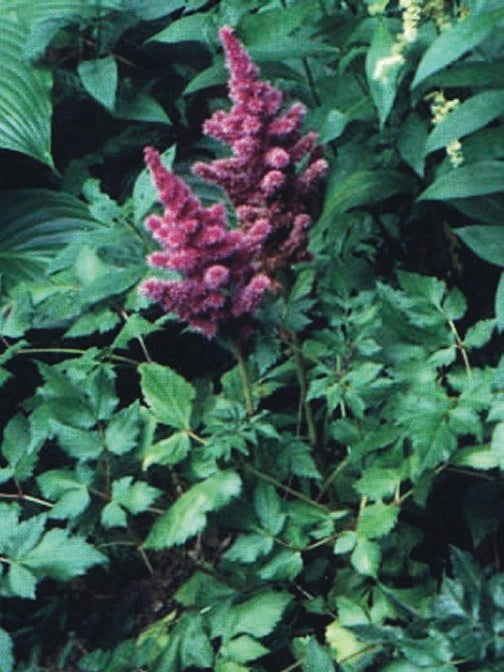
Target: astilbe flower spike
(219, 281)
(262, 178)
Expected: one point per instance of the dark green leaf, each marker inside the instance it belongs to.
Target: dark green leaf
(316, 658)
(486, 241)
(476, 179)
(6, 652)
(100, 77)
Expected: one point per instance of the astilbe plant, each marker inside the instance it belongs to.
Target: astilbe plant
(225, 272)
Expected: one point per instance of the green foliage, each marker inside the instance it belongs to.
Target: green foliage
(285, 507)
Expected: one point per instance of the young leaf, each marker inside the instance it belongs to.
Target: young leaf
(100, 77)
(188, 515)
(169, 395)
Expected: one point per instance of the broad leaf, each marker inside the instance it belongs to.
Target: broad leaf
(453, 43)
(188, 515)
(169, 395)
(25, 98)
(100, 77)
(6, 654)
(382, 71)
(475, 179)
(259, 615)
(486, 241)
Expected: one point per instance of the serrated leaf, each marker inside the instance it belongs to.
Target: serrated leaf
(480, 333)
(100, 78)
(123, 429)
(475, 179)
(195, 647)
(112, 515)
(268, 507)
(453, 43)
(25, 98)
(476, 457)
(135, 497)
(486, 241)
(21, 582)
(202, 590)
(248, 548)
(316, 658)
(171, 450)
(244, 648)
(377, 520)
(16, 438)
(259, 615)
(285, 565)
(79, 443)
(6, 652)
(169, 395)
(188, 515)
(377, 483)
(366, 557)
(68, 489)
(345, 542)
(61, 556)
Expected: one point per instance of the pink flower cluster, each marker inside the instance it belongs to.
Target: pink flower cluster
(224, 272)
(219, 277)
(261, 178)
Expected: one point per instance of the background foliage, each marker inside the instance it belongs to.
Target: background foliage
(353, 520)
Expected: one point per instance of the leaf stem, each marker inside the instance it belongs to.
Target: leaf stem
(27, 498)
(74, 351)
(285, 488)
(461, 347)
(301, 376)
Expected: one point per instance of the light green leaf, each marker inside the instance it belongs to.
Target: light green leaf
(6, 652)
(366, 557)
(202, 590)
(248, 548)
(25, 98)
(169, 395)
(123, 429)
(333, 126)
(472, 114)
(316, 658)
(497, 444)
(284, 566)
(16, 438)
(100, 77)
(135, 497)
(382, 70)
(486, 241)
(345, 542)
(377, 482)
(480, 333)
(259, 615)
(193, 28)
(377, 520)
(268, 507)
(476, 457)
(112, 515)
(475, 179)
(188, 515)
(21, 582)
(195, 647)
(167, 451)
(453, 43)
(79, 443)
(68, 489)
(61, 556)
(243, 648)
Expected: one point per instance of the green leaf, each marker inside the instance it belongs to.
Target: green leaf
(16, 438)
(169, 395)
(25, 98)
(112, 515)
(377, 520)
(377, 483)
(61, 556)
(480, 333)
(21, 582)
(486, 241)
(6, 652)
(167, 451)
(195, 647)
(366, 557)
(134, 105)
(453, 43)
(475, 179)
(69, 489)
(284, 566)
(499, 304)
(135, 497)
(79, 443)
(243, 648)
(203, 590)
(382, 71)
(345, 542)
(188, 515)
(259, 615)
(472, 114)
(247, 548)
(362, 187)
(100, 77)
(193, 28)
(411, 142)
(268, 507)
(123, 429)
(475, 457)
(316, 658)
(35, 224)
